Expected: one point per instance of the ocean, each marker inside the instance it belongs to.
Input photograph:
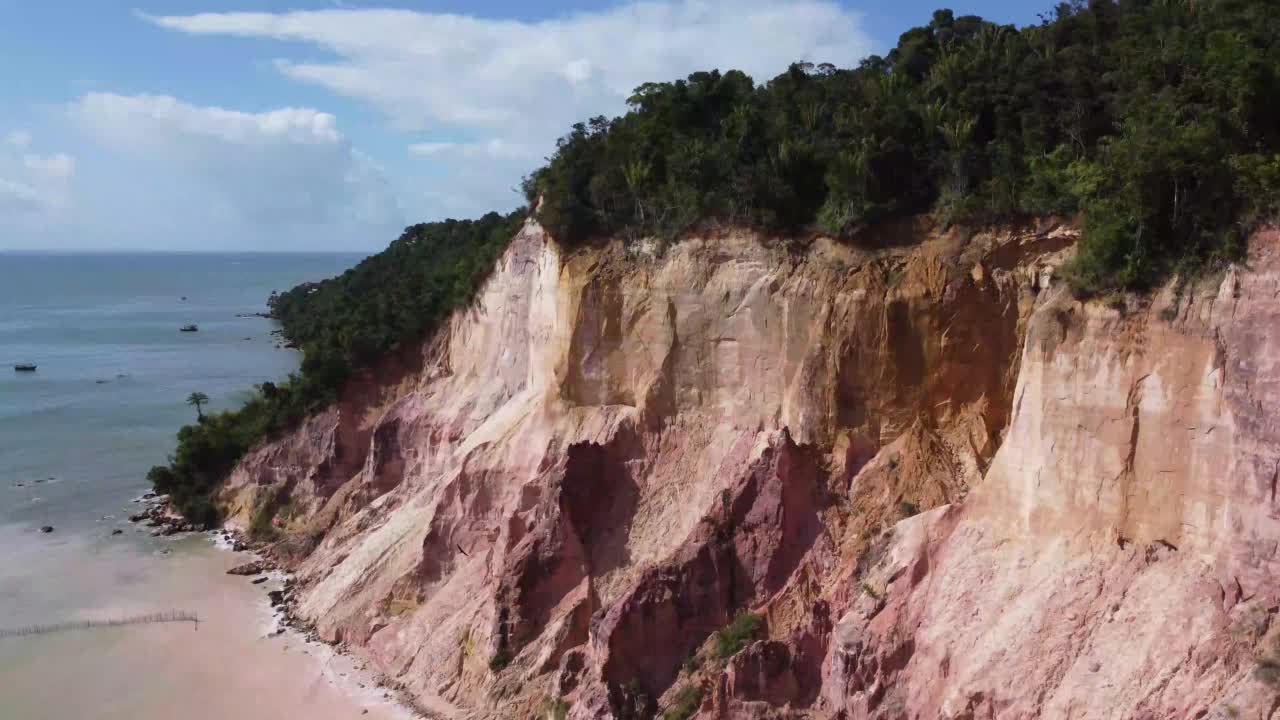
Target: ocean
(78, 435)
(76, 440)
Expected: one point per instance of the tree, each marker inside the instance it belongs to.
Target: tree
(1154, 116)
(198, 400)
(1154, 119)
(341, 325)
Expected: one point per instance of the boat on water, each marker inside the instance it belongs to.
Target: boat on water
(24, 367)
(188, 328)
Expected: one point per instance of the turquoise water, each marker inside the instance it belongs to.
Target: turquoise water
(80, 433)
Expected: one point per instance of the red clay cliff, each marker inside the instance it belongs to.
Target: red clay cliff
(945, 487)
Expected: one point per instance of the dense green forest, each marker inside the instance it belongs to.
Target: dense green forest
(1151, 119)
(1154, 117)
(340, 325)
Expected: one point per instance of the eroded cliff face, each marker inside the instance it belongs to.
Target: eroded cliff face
(1119, 558)
(558, 501)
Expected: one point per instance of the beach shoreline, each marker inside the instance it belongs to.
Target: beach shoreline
(281, 589)
(76, 441)
(241, 659)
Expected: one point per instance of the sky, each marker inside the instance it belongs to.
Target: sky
(293, 125)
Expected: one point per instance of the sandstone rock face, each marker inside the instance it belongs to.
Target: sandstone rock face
(1119, 558)
(946, 488)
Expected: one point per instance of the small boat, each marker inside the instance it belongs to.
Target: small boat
(188, 328)
(24, 367)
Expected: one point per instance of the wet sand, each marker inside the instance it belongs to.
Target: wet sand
(226, 666)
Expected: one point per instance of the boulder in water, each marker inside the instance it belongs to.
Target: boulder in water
(46, 529)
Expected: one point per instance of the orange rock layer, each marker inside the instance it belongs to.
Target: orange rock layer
(947, 488)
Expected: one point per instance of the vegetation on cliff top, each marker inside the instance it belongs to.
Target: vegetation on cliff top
(1152, 118)
(340, 325)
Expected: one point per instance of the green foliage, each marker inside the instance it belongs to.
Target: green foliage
(1268, 667)
(1155, 117)
(737, 635)
(260, 527)
(1257, 177)
(500, 660)
(261, 523)
(1056, 181)
(686, 703)
(557, 709)
(341, 325)
(198, 400)
(394, 296)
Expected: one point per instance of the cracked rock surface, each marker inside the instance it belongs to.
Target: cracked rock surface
(946, 487)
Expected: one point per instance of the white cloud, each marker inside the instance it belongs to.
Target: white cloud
(58, 166)
(18, 138)
(35, 190)
(578, 71)
(272, 171)
(133, 118)
(492, 148)
(424, 68)
(524, 83)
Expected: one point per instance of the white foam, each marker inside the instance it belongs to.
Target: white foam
(343, 672)
(339, 669)
(220, 541)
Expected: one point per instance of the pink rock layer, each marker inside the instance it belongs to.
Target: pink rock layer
(947, 488)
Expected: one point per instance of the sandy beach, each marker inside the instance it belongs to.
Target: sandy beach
(228, 665)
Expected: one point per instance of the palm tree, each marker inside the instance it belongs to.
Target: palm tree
(198, 399)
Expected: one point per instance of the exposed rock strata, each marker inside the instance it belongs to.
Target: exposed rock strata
(1119, 558)
(592, 470)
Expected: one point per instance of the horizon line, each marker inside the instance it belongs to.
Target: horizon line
(142, 251)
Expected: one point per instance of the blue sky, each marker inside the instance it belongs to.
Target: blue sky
(295, 125)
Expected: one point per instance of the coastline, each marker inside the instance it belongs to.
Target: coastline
(76, 439)
(257, 566)
(280, 590)
(241, 659)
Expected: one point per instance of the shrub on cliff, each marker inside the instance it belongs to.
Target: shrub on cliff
(686, 703)
(340, 325)
(395, 296)
(1154, 118)
(1268, 667)
(556, 709)
(500, 660)
(737, 634)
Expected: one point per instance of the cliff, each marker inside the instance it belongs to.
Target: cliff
(947, 488)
